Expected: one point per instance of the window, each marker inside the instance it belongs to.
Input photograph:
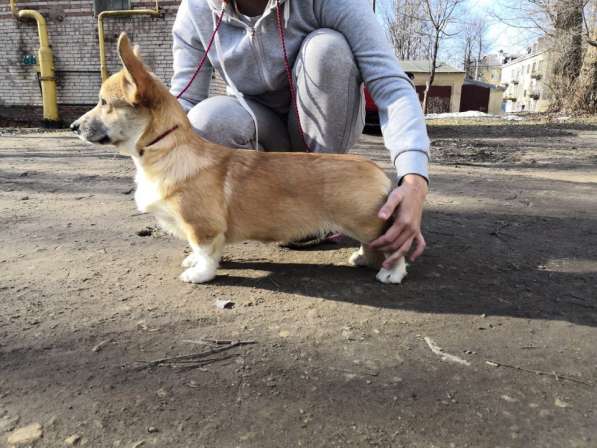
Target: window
(110, 5)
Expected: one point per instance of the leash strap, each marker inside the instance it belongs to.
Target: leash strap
(209, 44)
(293, 96)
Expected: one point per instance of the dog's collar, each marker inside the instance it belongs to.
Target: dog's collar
(162, 136)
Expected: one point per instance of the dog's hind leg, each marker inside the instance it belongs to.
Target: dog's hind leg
(365, 230)
(366, 256)
(204, 260)
(393, 275)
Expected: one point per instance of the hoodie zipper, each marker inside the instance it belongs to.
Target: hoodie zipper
(256, 43)
(260, 57)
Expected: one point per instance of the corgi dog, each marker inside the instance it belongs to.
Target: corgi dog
(210, 195)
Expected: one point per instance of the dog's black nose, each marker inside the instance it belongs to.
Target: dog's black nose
(74, 127)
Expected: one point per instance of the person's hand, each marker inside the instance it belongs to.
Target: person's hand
(405, 203)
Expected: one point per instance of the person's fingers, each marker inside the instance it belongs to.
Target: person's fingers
(392, 202)
(421, 244)
(398, 242)
(407, 234)
(402, 229)
(387, 238)
(392, 259)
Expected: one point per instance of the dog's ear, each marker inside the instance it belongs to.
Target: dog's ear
(137, 52)
(137, 79)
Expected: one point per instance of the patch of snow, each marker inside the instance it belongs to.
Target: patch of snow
(471, 114)
(468, 114)
(511, 117)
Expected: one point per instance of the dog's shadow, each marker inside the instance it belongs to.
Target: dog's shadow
(423, 290)
(343, 283)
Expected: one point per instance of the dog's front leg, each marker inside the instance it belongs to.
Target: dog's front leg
(393, 275)
(190, 260)
(204, 260)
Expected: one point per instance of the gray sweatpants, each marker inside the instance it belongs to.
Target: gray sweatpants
(330, 102)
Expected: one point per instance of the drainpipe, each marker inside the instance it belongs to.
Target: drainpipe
(101, 35)
(46, 62)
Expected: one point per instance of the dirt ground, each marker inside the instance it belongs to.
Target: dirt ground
(507, 286)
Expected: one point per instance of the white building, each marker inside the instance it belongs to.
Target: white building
(527, 80)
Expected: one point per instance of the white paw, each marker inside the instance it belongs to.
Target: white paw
(190, 260)
(394, 275)
(198, 274)
(358, 258)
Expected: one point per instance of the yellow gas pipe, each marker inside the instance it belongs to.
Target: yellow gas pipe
(46, 62)
(100, 30)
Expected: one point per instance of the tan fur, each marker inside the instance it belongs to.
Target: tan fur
(213, 195)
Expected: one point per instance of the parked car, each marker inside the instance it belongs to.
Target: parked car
(371, 113)
(372, 125)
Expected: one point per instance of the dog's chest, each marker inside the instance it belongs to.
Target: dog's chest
(147, 195)
(149, 199)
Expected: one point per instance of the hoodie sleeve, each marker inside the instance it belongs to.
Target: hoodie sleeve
(401, 117)
(188, 51)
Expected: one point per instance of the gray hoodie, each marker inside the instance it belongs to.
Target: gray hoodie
(253, 63)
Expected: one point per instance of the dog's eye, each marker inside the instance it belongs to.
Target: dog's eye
(103, 102)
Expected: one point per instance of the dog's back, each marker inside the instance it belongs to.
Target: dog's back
(284, 196)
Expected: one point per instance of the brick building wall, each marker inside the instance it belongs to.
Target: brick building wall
(72, 29)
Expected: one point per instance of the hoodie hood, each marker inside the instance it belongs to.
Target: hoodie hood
(216, 6)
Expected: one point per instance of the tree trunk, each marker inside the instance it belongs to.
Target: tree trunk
(432, 75)
(479, 52)
(567, 51)
(584, 92)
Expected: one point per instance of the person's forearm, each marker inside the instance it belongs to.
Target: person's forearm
(417, 181)
(401, 117)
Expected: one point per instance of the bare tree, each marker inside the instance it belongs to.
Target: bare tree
(406, 29)
(439, 16)
(540, 16)
(474, 45)
(468, 49)
(584, 93)
(481, 31)
(567, 49)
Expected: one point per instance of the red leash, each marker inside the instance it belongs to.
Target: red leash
(293, 95)
(209, 44)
